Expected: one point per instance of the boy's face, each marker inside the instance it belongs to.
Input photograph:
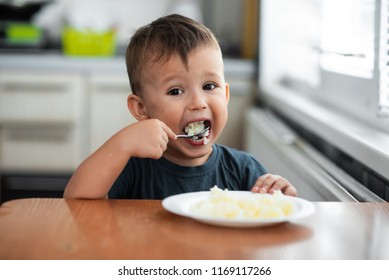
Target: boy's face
(179, 95)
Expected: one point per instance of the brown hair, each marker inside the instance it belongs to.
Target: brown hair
(159, 40)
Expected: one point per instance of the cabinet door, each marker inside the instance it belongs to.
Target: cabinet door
(109, 112)
(39, 96)
(41, 120)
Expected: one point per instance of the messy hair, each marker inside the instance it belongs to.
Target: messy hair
(159, 40)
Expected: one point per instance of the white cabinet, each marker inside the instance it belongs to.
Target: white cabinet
(41, 120)
(108, 111)
(39, 96)
(51, 120)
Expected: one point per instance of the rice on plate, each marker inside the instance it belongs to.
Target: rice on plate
(225, 204)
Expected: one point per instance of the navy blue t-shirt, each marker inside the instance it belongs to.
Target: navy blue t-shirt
(144, 178)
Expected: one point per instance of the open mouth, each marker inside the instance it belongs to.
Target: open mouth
(200, 131)
(196, 127)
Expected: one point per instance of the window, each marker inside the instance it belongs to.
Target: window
(347, 37)
(324, 64)
(289, 50)
(334, 51)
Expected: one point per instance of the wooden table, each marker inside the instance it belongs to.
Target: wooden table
(142, 229)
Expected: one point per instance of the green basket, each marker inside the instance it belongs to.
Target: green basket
(23, 33)
(88, 43)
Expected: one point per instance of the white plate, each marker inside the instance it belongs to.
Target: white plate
(180, 204)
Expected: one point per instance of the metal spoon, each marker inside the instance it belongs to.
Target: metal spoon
(195, 136)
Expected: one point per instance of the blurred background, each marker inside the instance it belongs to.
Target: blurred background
(308, 79)
(63, 82)
(50, 20)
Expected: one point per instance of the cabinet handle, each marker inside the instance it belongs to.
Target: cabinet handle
(38, 134)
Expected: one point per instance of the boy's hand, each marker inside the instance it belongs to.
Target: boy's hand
(269, 183)
(148, 138)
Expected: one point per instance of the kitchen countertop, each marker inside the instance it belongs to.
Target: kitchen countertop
(234, 68)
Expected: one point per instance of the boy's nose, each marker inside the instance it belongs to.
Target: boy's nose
(197, 101)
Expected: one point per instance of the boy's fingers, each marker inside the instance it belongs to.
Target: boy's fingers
(171, 135)
(279, 185)
(284, 186)
(262, 185)
(270, 183)
(291, 191)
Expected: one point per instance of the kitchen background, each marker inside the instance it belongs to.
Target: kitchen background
(308, 81)
(63, 83)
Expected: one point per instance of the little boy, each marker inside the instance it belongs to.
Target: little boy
(176, 73)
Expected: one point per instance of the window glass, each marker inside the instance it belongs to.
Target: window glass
(347, 37)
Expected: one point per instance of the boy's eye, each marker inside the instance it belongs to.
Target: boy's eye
(209, 86)
(175, 91)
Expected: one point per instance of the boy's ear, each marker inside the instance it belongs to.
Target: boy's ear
(136, 107)
(227, 92)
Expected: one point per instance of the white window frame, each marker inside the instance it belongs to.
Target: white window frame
(384, 60)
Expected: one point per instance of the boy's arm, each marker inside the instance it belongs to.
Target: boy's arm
(95, 176)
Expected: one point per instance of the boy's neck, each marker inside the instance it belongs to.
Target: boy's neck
(187, 161)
